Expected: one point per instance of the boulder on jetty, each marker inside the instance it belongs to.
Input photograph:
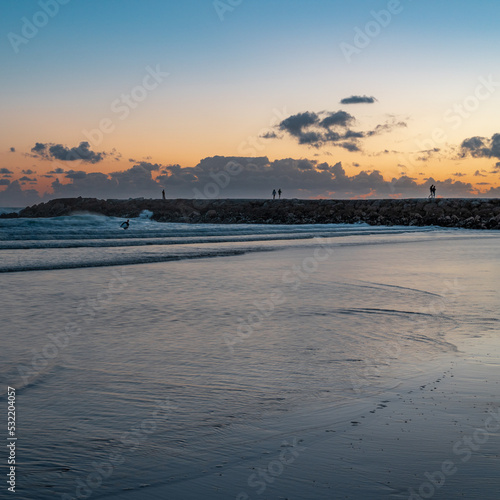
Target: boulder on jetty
(445, 212)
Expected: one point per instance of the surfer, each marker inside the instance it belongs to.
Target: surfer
(125, 224)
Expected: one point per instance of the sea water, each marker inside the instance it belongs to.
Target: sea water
(149, 362)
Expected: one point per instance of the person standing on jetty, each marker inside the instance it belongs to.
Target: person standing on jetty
(279, 193)
(433, 191)
(274, 194)
(163, 194)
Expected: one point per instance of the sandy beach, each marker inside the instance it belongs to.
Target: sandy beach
(364, 368)
(249, 250)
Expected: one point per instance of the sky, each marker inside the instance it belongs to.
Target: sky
(235, 98)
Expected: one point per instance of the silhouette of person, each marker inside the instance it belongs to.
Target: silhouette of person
(125, 224)
(279, 193)
(274, 194)
(163, 194)
(433, 191)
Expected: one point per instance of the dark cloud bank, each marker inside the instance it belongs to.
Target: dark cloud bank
(234, 177)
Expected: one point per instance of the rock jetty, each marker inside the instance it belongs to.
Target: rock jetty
(446, 212)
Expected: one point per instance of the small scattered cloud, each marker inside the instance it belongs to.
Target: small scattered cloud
(28, 172)
(5, 171)
(358, 99)
(269, 135)
(4, 182)
(331, 128)
(387, 127)
(50, 151)
(426, 155)
(459, 174)
(481, 147)
(12, 150)
(477, 173)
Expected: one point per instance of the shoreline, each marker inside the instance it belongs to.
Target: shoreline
(420, 410)
(467, 213)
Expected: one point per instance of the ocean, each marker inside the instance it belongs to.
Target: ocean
(177, 360)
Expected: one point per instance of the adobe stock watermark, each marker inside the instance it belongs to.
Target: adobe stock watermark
(251, 146)
(223, 7)
(123, 105)
(363, 36)
(59, 341)
(221, 180)
(129, 442)
(30, 27)
(391, 351)
(464, 449)
(264, 477)
(455, 117)
(293, 278)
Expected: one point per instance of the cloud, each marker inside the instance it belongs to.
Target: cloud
(427, 155)
(14, 196)
(12, 150)
(387, 127)
(24, 178)
(28, 172)
(337, 118)
(317, 129)
(481, 147)
(134, 182)
(479, 174)
(458, 174)
(269, 135)
(357, 99)
(296, 124)
(4, 182)
(75, 174)
(50, 151)
(297, 178)
(236, 177)
(331, 127)
(5, 171)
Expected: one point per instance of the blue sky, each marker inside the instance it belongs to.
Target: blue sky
(227, 77)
